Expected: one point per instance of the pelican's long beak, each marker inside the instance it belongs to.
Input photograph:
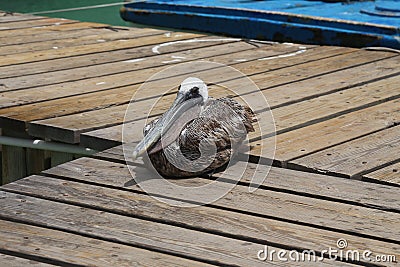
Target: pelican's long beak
(182, 111)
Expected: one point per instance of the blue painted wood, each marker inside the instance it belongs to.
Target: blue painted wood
(269, 25)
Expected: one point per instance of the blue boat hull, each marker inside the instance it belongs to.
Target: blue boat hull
(263, 25)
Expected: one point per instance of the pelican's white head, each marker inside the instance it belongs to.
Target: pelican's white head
(192, 93)
(193, 87)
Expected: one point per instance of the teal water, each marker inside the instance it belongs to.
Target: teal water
(107, 15)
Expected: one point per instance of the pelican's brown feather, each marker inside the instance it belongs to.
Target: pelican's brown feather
(223, 122)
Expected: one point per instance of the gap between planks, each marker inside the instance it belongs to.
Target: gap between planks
(356, 157)
(299, 210)
(13, 27)
(156, 211)
(136, 232)
(83, 37)
(115, 131)
(19, 109)
(60, 248)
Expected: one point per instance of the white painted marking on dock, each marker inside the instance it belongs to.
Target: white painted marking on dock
(134, 60)
(240, 60)
(263, 42)
(55, 47)
(101, 41)
(168, 34)
(284, 55)
(156, 48)
(178, 57)
(100, 83)
(171, 61)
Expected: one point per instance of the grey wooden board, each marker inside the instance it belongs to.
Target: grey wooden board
(389, 174)
(79, 88)
(52, 123)
(78, 50)
(356, 157)
(279, 96)
(302, 183)
(137, 59)
(103, 35)
(133, 231)
(322, 135)
(221, 222)
(256, 68)
(93, 101)
(65, 248)
(60, 28)
(77, 61)
(54, 35)
(332, 105)
(13, 163)
(14, 25)
(285, 206)
(13, 17)
(12, 261)
(330, 82)
(55, 32)
(76, 77)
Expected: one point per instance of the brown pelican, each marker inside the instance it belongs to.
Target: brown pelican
(178, 142)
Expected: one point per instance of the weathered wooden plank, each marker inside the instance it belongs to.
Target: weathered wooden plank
(29, 32)
(135, 60)
(36, 160)
(86, 49)
(14, 17)
(68, 128)
(327, 106)
(300, 209)
(57, 158)
(101, 36)
(356, 157)
(330, 82)
(83, 66)
(300, 114)
(60, 121)
(213, 219)
(278, 179)
(87, 60)
(12, 261)
(13, 163)
(390, 174)
(168, 238)
(9, 26)
(322, 135)
(48, 36)
(61, 247)
(107, 98)
(249, 68)
(54, 35)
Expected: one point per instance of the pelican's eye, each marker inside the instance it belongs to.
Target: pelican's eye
(194, 90)
(193, 93)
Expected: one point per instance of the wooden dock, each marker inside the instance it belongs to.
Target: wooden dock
(336, 171)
